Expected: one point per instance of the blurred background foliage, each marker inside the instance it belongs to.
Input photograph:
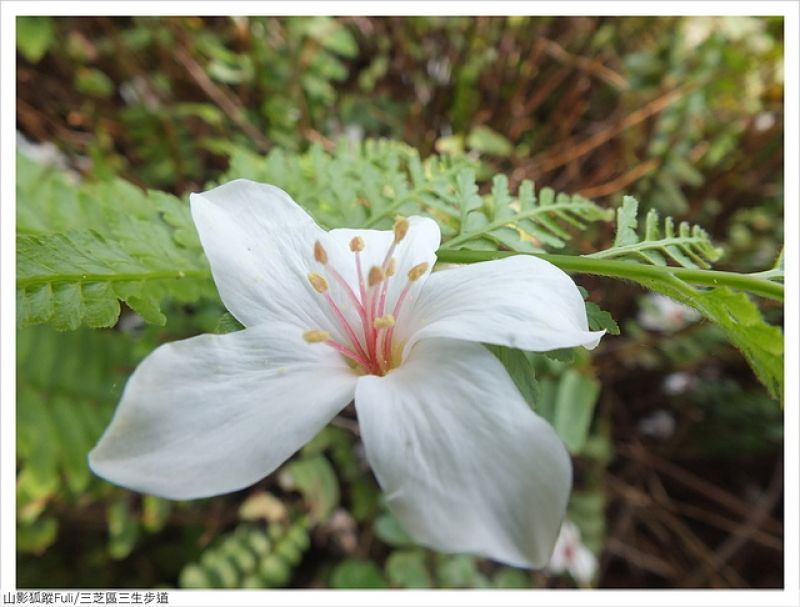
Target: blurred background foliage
(677, 448)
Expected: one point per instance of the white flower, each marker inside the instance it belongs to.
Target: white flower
(678, 383)
(659, 424)
(571, 556)
(347, 315)
(661, 313)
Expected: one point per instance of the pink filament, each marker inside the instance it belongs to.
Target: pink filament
(345, 325)
(387, 340)
(375, 355)
(356, 358)
(356, 302)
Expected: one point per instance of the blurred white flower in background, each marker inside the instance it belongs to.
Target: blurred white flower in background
(678, 383)
(571, 556)
(660, 313)
(46, 153)
(659, 425)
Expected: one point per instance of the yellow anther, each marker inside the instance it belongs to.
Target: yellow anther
(417, 271)
(383, 322)
(390, 269)
(400, 228)
(319, 253)
(357, 244)
(318, 282)
(316, 336)
(375, 276)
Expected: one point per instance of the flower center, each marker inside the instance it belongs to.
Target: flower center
(369, 345)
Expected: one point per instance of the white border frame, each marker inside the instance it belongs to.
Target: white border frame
(790, 596)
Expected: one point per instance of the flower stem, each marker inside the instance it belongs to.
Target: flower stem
(751, 283)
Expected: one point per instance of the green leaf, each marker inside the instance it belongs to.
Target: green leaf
(155, 513)
(315, 478)
(407, 569)
(247, 558)
(627, 223)
(332, 35)
(600, 319)
(364, 185)
(123, 529)
(760, 343)
(488, 141)
(368, 184)
(508, 578)
(83, 248)
(34, 36)
(262, 505)
(93, 82)
(520, 368)
(389, 531)
(36, 537)
(521, 224)
(194, 577)
(689, 246)
(67, 388)
(228, 324)
(574, 408)
(354, 573)
(587, 510)
(562, 355)
(459, 571)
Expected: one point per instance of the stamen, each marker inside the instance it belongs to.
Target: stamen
(414, 274)
(400, 228)
(319, 253)
(318, 282)
(321, 286)
(348, 290)
(357, 244)
(356, 358)
(384, 322)
(373, 350)
(375, 276)
(417, 271)
(345, 324)
(316, 336)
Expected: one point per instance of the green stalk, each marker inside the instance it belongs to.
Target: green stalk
(630, 270)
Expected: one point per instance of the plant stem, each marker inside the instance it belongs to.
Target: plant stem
(630, 270)
(33, 281)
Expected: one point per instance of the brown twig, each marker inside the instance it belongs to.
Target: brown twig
(591, 66)
(229, 105)
(642, 560)
(575, 148)
(702, 486)
(745, 532)
(720, 522)
(624, 180)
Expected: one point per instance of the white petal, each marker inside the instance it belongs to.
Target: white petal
(564, 550)
(216, 413)
(521, 301)
(584, 564)
(465, 464)
(260, 245)
(418, 246)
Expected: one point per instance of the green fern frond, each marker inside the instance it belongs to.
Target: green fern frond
(369, 183)
(67, 386)
(356, 185)
(688, 246)
(249, 557)
(83, 248)
(518, 223)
